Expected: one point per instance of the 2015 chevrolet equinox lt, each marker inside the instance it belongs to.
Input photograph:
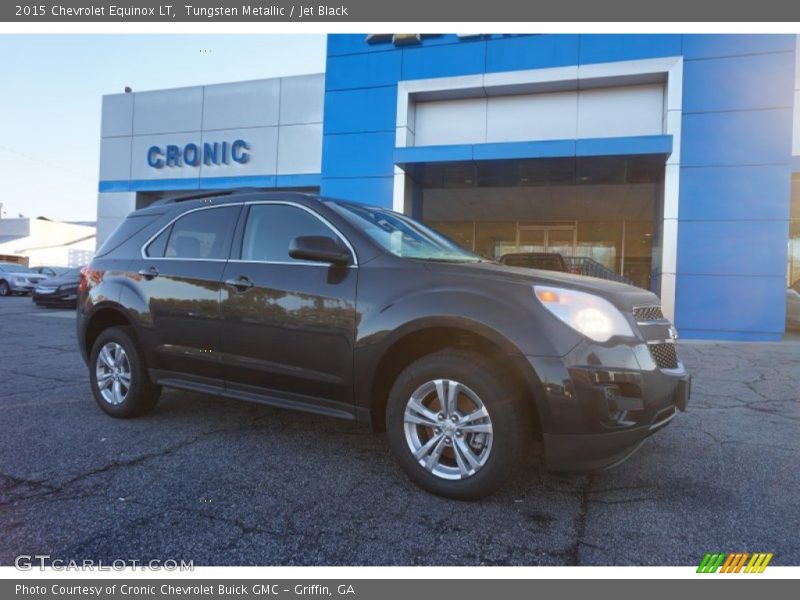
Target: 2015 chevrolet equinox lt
(361, 313)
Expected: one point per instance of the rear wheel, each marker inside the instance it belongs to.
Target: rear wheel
(118, 375)
(458, 424)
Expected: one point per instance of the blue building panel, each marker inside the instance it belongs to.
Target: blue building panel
(363, 70)
(733, 247)
(114, 186)
(537, 149)
(445, 60)
(432, 154)
(710, 46)
(738, 83)
(518, 52)
(744, 307)
(755, 137)
(734, 193)
(153, 185)
(360, 110)
(599, 48)
(625, 146)
(622, 146)
(299, 180)
(376, 191)
(358, 154)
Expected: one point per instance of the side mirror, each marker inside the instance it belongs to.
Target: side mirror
(319, 248)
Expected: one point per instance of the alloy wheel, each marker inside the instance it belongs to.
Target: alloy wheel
(113, 370)
(448, 429)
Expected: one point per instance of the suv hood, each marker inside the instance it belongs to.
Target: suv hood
(621, 295)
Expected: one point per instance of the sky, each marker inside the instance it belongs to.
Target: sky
(51, 88)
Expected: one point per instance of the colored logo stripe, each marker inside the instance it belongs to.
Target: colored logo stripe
(733, 562)
(758, 563)
(710, 563)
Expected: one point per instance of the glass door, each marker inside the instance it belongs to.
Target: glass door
(561, 240)
(532, 239)
(558, 239)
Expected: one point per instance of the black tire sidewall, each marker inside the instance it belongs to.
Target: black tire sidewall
(5, 289)
(138, 400)
(502, 400)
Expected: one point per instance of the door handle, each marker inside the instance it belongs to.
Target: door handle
(149, 273)
(241, 284)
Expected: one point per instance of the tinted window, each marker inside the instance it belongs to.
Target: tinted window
(204, 234)
(125, 231)
(157, 247)
(271, 227)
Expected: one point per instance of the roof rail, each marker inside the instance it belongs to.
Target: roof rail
(200, 195)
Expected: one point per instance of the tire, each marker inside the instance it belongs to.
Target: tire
(5, 289)
(496, 451)
(115, 348)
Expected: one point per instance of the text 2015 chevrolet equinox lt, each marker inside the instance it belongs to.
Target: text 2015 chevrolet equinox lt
(361, 313)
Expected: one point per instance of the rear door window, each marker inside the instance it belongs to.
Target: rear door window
(202, 234)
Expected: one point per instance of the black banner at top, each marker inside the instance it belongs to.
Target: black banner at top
(537, 11)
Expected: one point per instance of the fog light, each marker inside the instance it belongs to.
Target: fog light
(611, 393)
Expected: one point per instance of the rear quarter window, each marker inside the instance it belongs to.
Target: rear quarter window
(126, 230)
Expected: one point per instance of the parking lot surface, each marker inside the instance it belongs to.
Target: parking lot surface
(222, 482)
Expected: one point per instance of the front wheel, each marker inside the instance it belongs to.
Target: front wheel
(118, 375)
(5, 289)
(458, 424)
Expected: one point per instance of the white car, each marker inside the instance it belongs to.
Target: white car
(18, 279)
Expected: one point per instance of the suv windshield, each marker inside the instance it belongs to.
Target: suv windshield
(402, 236)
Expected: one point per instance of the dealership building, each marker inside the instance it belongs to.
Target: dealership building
(669, 160)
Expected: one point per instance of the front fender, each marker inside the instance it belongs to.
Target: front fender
(507, 320)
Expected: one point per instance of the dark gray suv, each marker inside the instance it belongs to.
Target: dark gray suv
(360, 313)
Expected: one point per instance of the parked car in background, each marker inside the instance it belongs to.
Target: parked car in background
(61, 290)
(18, 279)
(50, 271)
(793, 306)
(552, 261)
(549, 261)
(357, 312)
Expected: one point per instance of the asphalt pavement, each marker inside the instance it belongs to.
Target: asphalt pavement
(221, 482)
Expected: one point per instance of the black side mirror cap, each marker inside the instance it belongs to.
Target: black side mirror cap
(320, 248)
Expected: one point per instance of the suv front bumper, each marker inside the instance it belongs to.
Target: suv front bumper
(603, 402)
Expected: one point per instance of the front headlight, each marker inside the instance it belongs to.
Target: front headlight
(591, 315)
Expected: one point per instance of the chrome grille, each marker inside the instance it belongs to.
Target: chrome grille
(664, 355)
(648, 313)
